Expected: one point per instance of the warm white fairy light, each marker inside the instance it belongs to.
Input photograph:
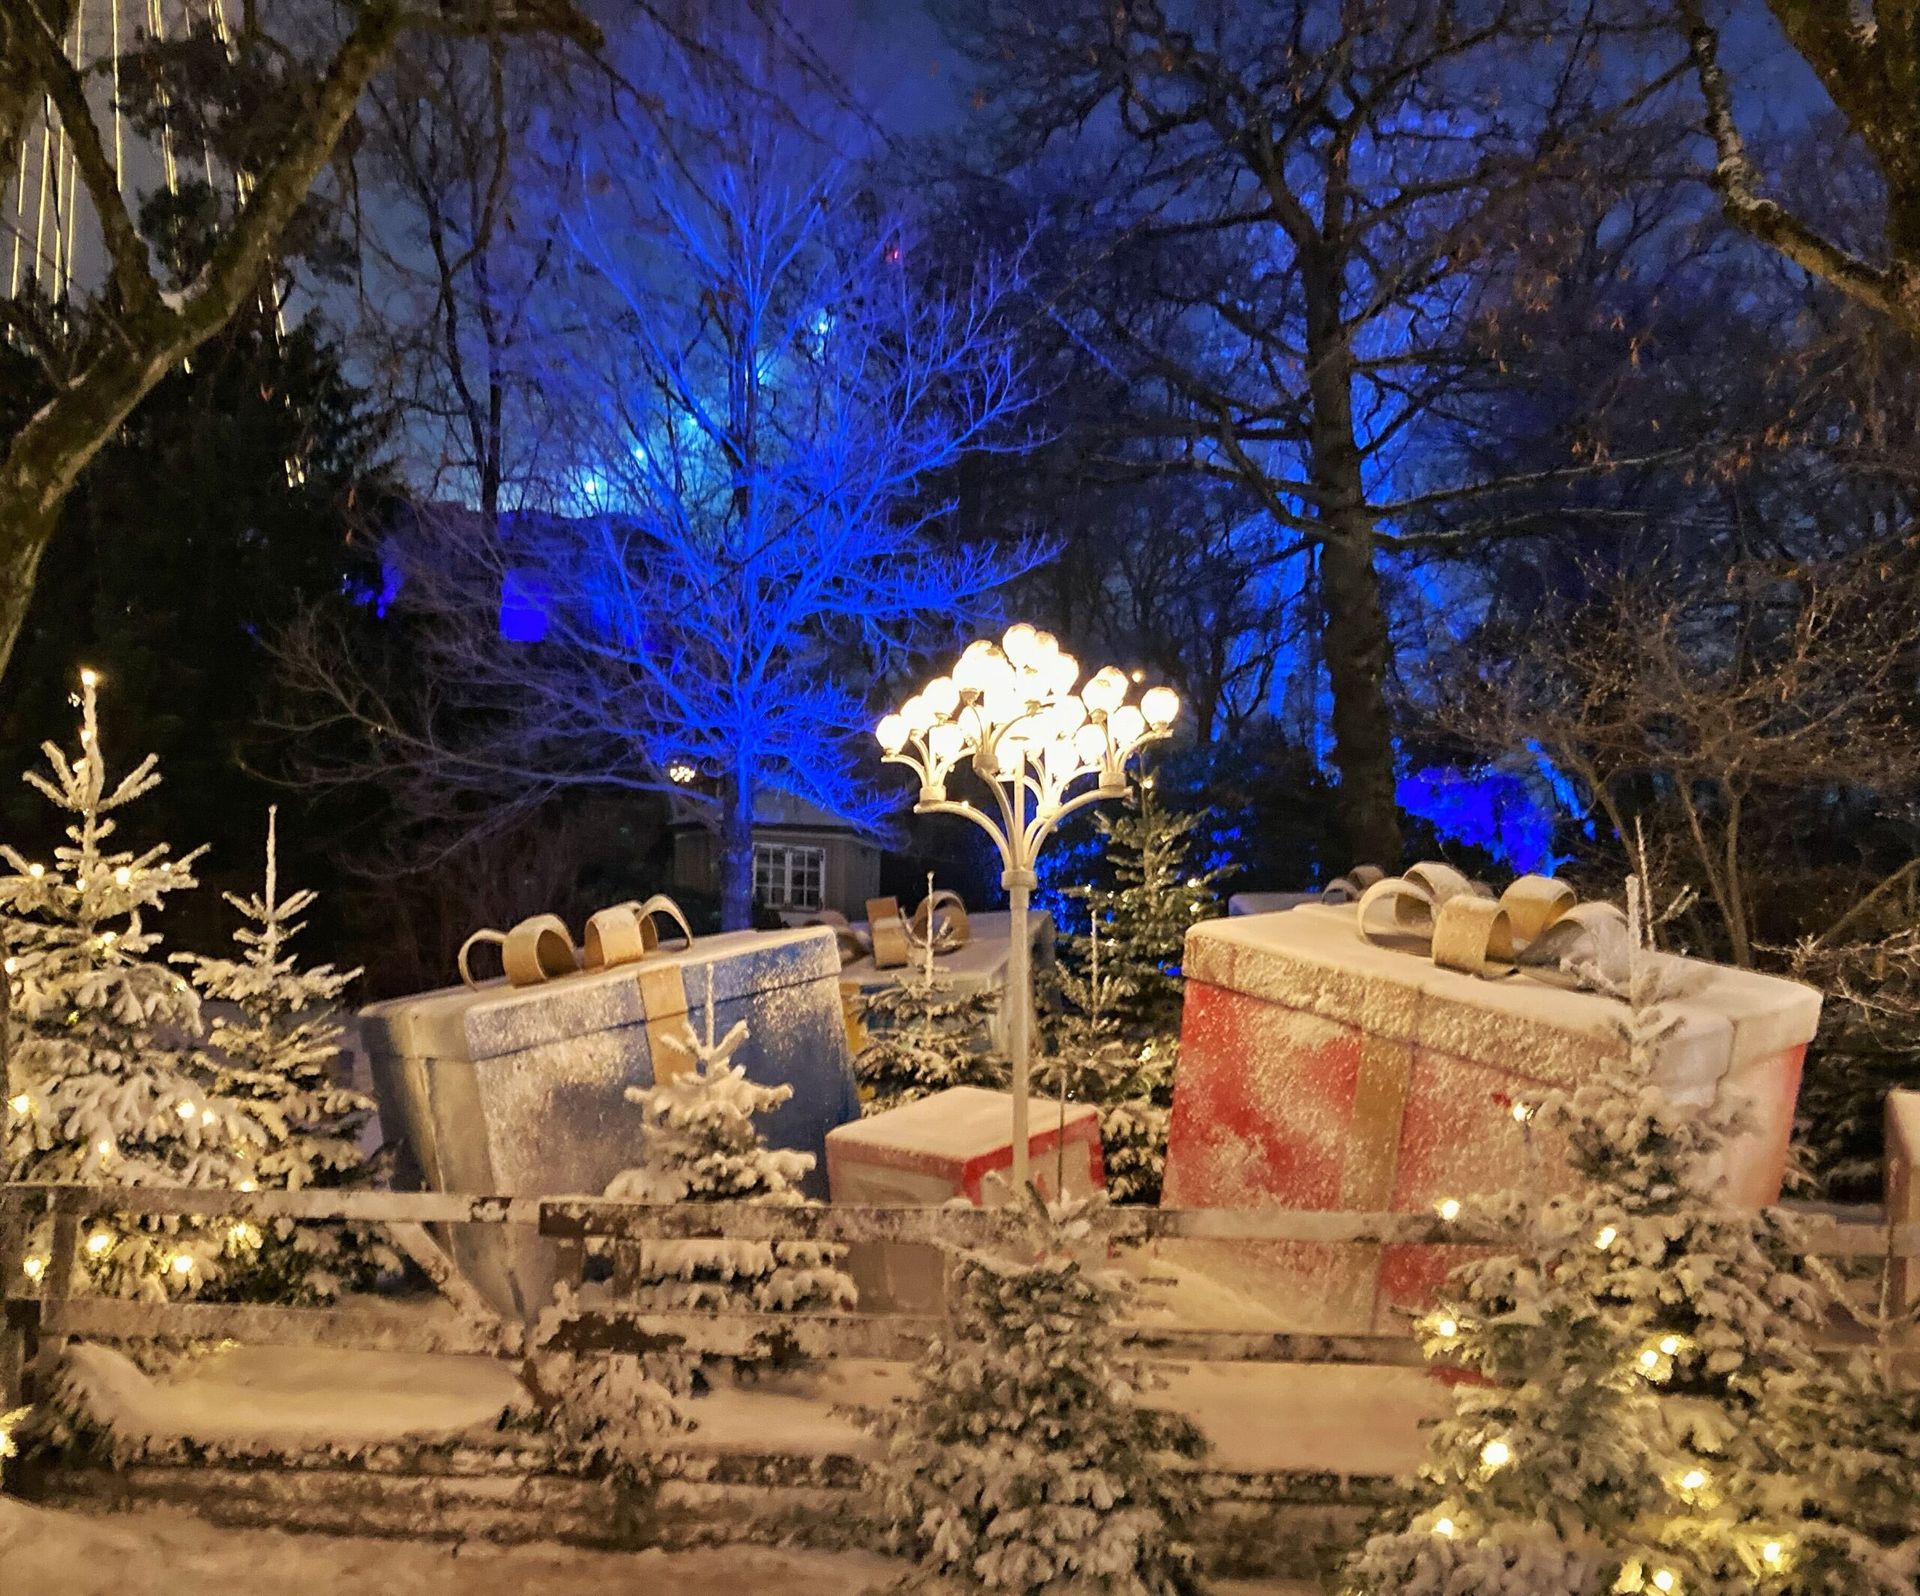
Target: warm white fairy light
(1665, 1581)
(1011, 714)
(89, 677)
(1446, 1328)
(242, 1234)
(36, 871)
(1522, 1112)
(21, 1104)
(123, 877)
(1607, 1237)
(1496, 1454)
(98, 1243)
(187, 1110)
(104, 1147)
(1443, 1527)
(1671, 1345)
(180, 1264)
(208, 1117)
(1773, 1555)
(34, 1267)
(1448, 1208)
(247, 1185)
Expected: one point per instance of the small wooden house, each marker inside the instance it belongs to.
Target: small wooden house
(804, 860)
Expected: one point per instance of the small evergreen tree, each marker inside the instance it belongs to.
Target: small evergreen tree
(924, 1036)
(702, 1146)
(276, 1057)
(1641, 1361)
(104, 1085)
(1025, 1461)
(1158, 894)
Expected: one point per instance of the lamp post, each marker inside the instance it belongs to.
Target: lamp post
(1010, 713)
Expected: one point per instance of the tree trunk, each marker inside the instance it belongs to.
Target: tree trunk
(1354, 635)
(736, 851)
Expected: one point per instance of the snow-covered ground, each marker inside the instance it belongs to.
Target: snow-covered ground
(163, 1553)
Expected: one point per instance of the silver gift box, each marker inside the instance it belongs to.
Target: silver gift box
(520, 1091)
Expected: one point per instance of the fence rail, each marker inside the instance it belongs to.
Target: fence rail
(41, 1314)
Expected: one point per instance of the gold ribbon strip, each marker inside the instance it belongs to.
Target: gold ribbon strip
(540, 949)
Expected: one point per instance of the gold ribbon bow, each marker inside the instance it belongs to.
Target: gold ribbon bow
(1537, 922)
(540, 949)
(892, 937)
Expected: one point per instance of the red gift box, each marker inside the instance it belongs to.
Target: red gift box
(1322, 1071)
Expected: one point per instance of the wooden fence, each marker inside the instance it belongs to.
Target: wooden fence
(42, 1314)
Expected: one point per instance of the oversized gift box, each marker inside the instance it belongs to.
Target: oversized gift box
(521, 1089)
(956, 1143)
(1321, 1070)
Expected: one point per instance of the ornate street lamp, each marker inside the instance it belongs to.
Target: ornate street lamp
(1010, 713)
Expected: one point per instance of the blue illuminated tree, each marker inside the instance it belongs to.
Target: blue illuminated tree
(751, 379)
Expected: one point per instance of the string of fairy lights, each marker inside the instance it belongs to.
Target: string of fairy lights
(40, 216)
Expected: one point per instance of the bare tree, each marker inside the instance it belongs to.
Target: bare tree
(757, 384)
(1866, 54)
(1678, 706)
(1322, 197)
(141, 327)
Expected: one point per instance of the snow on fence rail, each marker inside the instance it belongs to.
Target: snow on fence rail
(54, 1312)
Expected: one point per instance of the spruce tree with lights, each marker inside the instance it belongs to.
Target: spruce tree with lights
(274, 1054)
(1024, 1460)
(104, 1085)
(923, 1035)
(701, 1145)
(1639, 1361)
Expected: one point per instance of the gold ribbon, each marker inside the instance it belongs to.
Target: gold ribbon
(1536, 923)
(539, 949)
(892, 938)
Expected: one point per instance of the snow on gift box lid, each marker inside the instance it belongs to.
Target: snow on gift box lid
(495, 1019)
(1314, 959)
(954, 1129)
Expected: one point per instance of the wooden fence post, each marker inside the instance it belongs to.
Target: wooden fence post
(19, 1320)
(57, 1288)
(1903, 1208)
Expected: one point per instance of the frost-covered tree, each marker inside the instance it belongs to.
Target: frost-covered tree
(1159, 892)
(702, 1146)
(274, 1054)
(1112, 1031)
(1025, 1459)
(104, 1084)
(922, 1036)
(1645, 1415)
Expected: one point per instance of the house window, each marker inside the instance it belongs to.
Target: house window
(787, 877)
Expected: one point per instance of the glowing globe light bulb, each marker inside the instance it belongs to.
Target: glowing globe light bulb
(1090, 742)
(941, 695)
(1021, 643)
(1105, 690)
(1062, 671)
(1128, 724)
(946, 742)
(1160, 705)
(892, 732)
(917, 713)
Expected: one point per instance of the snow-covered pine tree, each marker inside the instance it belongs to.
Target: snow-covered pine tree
(275, 1057)
(104, 1086)
(1025, 1460)
(702, 1146)
(1639, 1358)
(1158, 894)
(923, 1036)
